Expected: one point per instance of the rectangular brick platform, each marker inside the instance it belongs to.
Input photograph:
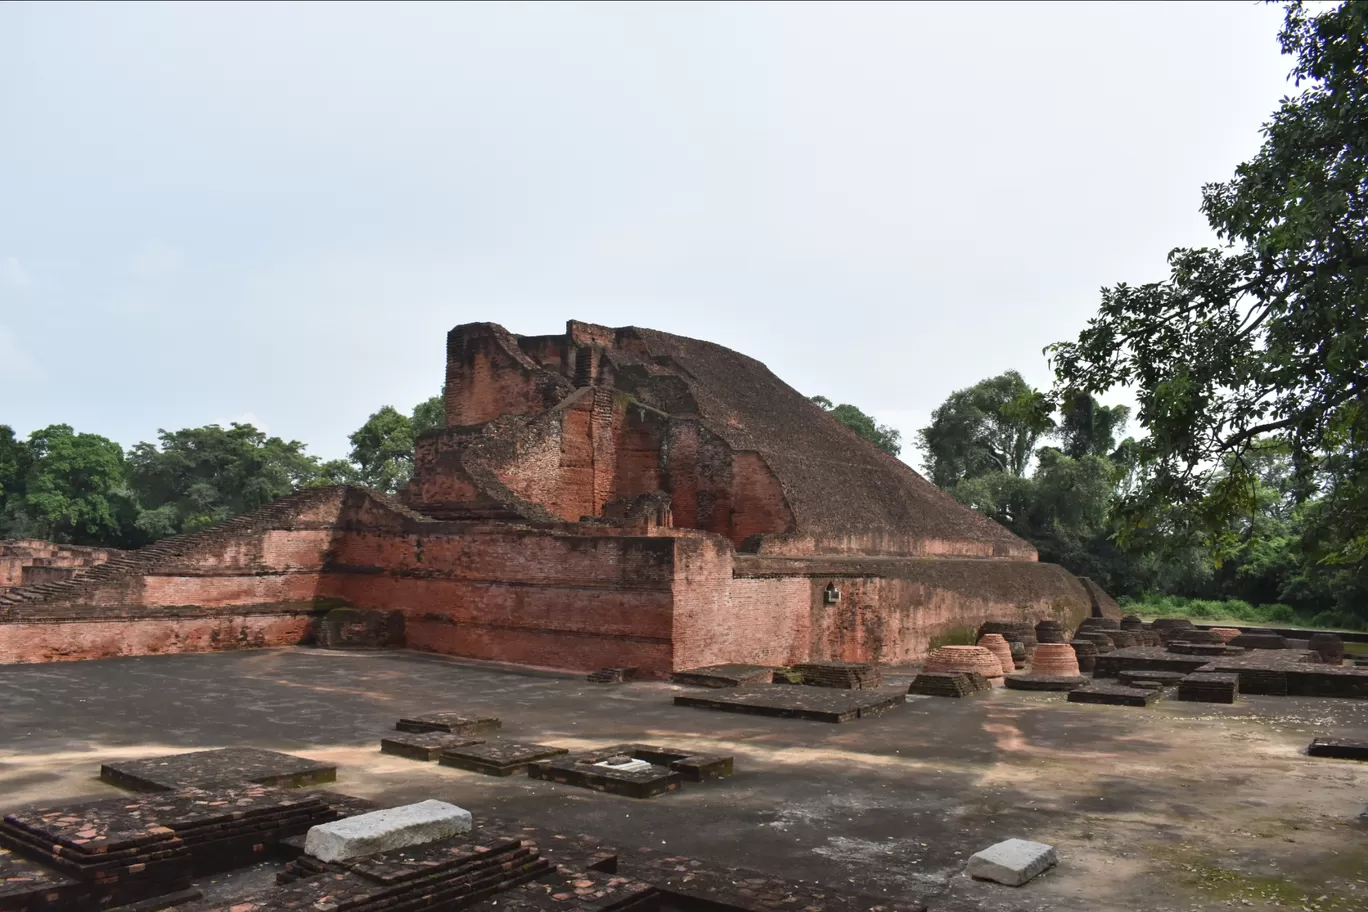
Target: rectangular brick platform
(1133, 678)
(450, 722)
(949, 684)
(1208, 687)
(228, 766)
(497, 758)
(424, 746)
(123, 850)
(816, 704)
(724, 675)
(1338, 748)
(1114, 695)
(605, 772)
(633, 770)
(844, 675)
(1145, 658)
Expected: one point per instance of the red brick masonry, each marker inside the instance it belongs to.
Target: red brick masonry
(592, 503)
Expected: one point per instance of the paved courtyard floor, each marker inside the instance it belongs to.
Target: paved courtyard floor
(1180, 806)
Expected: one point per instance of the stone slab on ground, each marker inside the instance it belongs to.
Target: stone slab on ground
(1043, 682)
(383, 831)
(632, 770)
(724, 675)
(817, 704)
(1338, 748)
(606, 771)
(1113, 695)
(1012, 862)
(497, 758)
(227, 766)
(451, 722)
(424, 746)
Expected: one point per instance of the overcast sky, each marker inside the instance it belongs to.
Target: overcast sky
(275, 212)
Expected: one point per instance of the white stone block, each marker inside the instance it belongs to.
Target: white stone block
(1012, 862)
(380, 831)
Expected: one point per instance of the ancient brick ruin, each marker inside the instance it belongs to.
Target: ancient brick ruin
(30, 561)
(604, 497)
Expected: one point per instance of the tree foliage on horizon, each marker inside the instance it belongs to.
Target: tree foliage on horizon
(1259, 344)
(888, 439)
(85, 489)
(992, 426)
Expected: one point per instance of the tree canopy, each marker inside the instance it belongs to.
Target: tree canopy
(200, 476)
(888, 439)
(1262, 340)
(992, 426)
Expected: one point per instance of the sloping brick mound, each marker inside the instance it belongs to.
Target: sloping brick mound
(994, 643)
(1132, 622)
(964, 658)
(1226, 633)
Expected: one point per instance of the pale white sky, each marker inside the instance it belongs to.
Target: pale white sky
(216, 211)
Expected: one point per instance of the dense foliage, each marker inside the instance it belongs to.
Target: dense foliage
(888, 439)
(84, 489)
(1250, 361)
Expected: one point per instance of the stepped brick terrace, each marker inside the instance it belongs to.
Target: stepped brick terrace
(599, 498)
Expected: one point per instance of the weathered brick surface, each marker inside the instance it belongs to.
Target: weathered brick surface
(29, 561)
(602, 498)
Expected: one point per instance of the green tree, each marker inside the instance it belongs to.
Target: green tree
(429, 415)
(1265, 337)
(382, 449)
(15, 460)
(888, 439)
(1089, 428)
(993, 426)
(74, 489)
(199, 476)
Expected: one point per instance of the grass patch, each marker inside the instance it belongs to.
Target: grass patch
(1274, 615)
